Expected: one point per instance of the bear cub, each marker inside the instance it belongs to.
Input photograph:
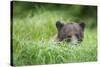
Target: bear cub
(70, 32)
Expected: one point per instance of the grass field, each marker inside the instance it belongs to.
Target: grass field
(32, 43)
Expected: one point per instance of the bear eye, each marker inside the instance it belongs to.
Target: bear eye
(76, 34)
(69, 36)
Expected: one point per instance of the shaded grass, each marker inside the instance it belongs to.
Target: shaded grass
(32, 45)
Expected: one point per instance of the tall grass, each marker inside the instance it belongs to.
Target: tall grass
(32, 44)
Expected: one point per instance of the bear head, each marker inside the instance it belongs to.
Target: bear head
(70, 32)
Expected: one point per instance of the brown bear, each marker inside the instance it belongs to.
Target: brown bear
(70, 32)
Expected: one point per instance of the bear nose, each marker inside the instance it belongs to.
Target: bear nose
(74, 40)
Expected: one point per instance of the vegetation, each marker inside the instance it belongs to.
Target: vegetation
(33, 26)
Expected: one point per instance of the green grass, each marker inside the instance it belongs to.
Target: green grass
(32, 44)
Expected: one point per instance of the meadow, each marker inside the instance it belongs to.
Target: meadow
(32, 33)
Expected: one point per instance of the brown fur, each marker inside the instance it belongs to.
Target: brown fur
(70, 31)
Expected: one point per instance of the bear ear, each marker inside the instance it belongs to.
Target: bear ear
(82, 25)
(59, 25)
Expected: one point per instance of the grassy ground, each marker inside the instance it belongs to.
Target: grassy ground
(32, 44)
